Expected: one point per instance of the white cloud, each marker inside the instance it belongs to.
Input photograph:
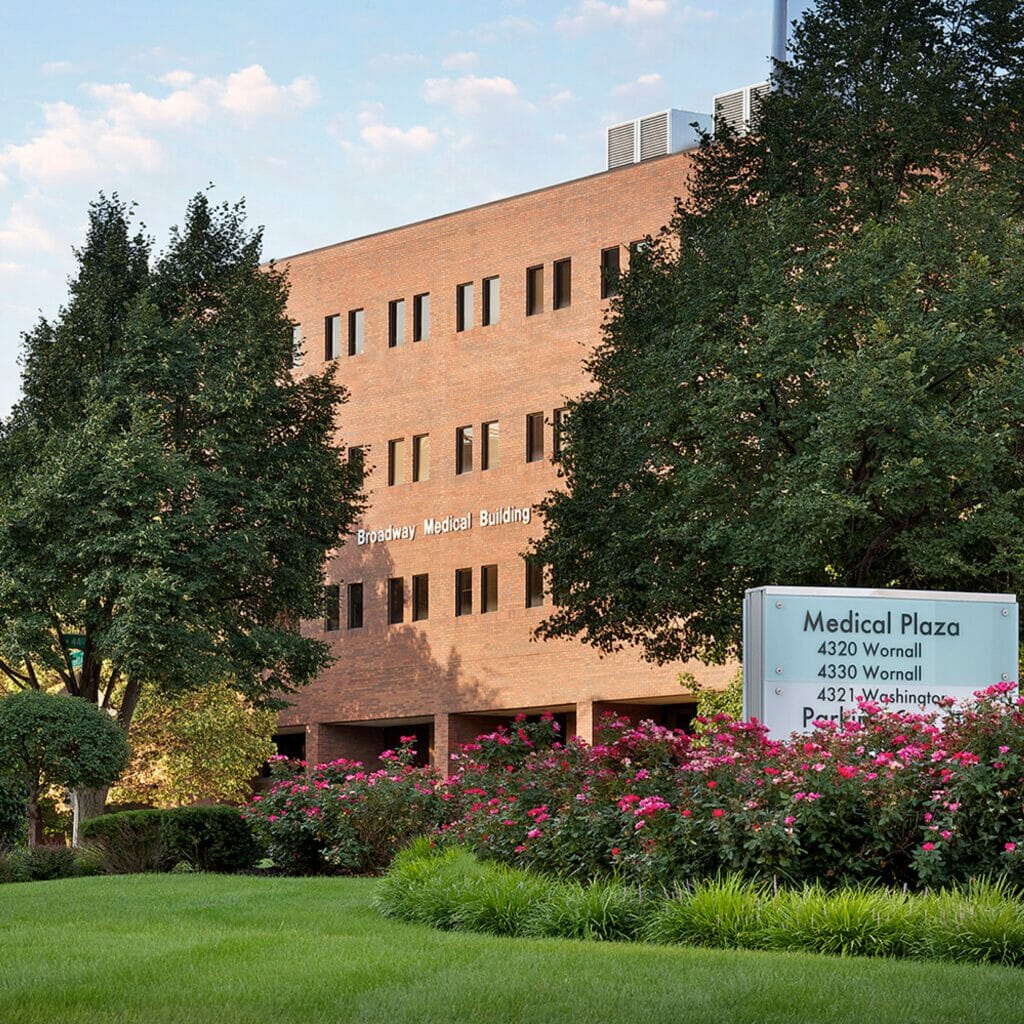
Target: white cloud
(251, 92)
(24, 232)
(117, 128)
(177, 79)
(57, 67)
(597, 14)
(459, 61)
(561, 98)
(382, 137)
(124, 105)
(468, 94)
(639, 84)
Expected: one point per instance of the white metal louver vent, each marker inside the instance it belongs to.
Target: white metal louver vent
(668, 131)
(738, 109)
(621, 144)
(757, 93)
(654, 136)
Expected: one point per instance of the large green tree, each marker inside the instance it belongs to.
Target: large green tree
(168, 488)
(815, 375)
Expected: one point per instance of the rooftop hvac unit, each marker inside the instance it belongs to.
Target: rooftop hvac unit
(669, 131)
(738, 109)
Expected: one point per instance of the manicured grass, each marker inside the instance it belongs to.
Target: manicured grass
(220, 950)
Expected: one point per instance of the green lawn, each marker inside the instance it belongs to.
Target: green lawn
(221, 950)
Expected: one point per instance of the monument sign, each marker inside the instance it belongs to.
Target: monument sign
(810, 652)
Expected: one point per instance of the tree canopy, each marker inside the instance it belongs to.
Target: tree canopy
(814, 375)
(168, 488)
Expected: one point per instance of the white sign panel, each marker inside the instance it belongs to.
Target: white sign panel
(810, 653)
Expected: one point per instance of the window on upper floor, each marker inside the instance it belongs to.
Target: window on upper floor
(489, 445)
(297, 345)
(396, 600)
(420, 597)
(355, 605)
(396, 323)
(534, 290)
(557, 420)
(396, 461)
(534, 583)
(562, 293)
(610, 272)
(488, 588)
(464, 306)
(534, 436)
(463, 450)
(420, 457)
(421, 317)
(332, 337)
(463, 591)
(491, 312)
(355, 332)
(332, 607)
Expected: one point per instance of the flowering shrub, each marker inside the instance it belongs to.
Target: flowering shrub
(342, 818)
(883, 798)
(880, 798)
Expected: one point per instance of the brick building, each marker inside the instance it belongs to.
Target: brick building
(460, 339)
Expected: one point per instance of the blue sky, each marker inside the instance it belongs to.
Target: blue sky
(331, 119)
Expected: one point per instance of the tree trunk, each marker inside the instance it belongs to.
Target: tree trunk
(35, 821)
(85, 803)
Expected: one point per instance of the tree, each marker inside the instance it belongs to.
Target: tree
(814, 375)
(206, 744)
(55, 740)
(169, 489)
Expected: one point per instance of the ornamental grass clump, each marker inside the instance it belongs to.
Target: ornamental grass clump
(604, 909)
(728, 912)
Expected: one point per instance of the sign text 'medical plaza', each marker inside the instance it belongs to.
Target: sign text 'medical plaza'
(814, 653)
(434, 527)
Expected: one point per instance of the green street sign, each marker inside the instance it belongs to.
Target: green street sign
(75, 640)
(77, 657)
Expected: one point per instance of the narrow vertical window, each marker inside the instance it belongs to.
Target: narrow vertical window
(489, 445)
(534, 290)
(463, 591)
(464, 306)
(562, 295)
(420, 457)
(396, 600)
(610, 272)
(534, 436)
(420, 597)
(355, 332)
(297, 345)
(355, 605)
(557, 421)
(488, 588)
(396, 323)
(492, 301)
(421, 317)
(332, 337)
(332, 607)
(463, 450)
(396, 461)
(534, 583)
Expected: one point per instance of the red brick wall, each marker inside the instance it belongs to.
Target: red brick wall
(480, 662)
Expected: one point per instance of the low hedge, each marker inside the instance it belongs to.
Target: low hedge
(201, 838)
(448, 888)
